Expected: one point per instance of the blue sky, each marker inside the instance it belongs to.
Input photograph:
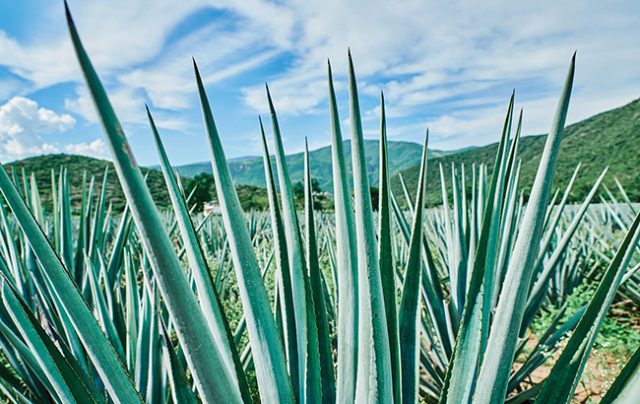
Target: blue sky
(446, 65)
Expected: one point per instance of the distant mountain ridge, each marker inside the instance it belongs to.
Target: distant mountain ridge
(611, 138)
(608, 139)
(42, 167)
(250, 170)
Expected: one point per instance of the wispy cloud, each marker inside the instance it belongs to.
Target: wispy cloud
(447, 65)
(27, 129)
(97, 149)
(23, 125)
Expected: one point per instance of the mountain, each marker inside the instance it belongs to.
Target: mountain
(43, 166)
(611, 138)
(250, 170)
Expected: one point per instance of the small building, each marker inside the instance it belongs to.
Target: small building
(212, 208)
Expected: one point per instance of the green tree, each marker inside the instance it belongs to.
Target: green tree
(205, 190)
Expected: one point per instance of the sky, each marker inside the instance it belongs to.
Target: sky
(449, 66)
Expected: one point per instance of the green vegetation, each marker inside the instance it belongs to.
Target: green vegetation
(617, 340)
(619, 335)
(249, 170)
(617, 131)
(609, 139)
(468, 302)
(42, 168)
(202, 185)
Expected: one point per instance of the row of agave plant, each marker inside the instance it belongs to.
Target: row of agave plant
(412, 304)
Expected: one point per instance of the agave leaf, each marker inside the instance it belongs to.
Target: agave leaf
(626, 387)
(100, 350)
(410, 303)
(539, 287)
(327, 376)
(496, 368)
(284, 274)
(96, 236)
(346, 262)
(213, 379)
(266, 346)
(551, 226)
(11, 385)
(540, 352)
(11, 251)
(461, 371)
(100, 307)
(180, 389)
(116, 258)
(385, 254)
(143, 337)
(374, 377)
(208, 296)
(67, 384)
(565, 375)
(132, 304)
(405, 191)
(27, 364)
(78, 264)
(66, 238)
(154, 351)
(307, 333)
(434, 294)
(508, 198)
(458, 242)
(44, 285)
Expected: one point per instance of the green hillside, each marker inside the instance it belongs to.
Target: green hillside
(42, 166)
(250, 170)
(611, 138)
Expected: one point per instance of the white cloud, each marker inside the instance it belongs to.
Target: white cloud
(296, 96)
(138, 63)
(24, 126)
(439, 61)
(442, 64)
(117, 34)
(128, 104)
(97, 149)
(169, 82)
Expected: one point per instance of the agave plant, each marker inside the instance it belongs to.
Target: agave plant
(414, 304)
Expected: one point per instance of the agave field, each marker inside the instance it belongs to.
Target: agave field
(403, 303)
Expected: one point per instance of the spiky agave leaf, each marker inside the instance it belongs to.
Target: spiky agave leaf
(346, 261)
(100, 350)
(214, 380)
(266, 346)
(327, 377)
(540, 286)
(177, 375)
(385, 256)
(499, 356)
(410, 303)
(461, 370)
(374, 377)
(565, 375)
(208, 296)
(65, 376)
(285, 296)
(626, 387)
(306, 329)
